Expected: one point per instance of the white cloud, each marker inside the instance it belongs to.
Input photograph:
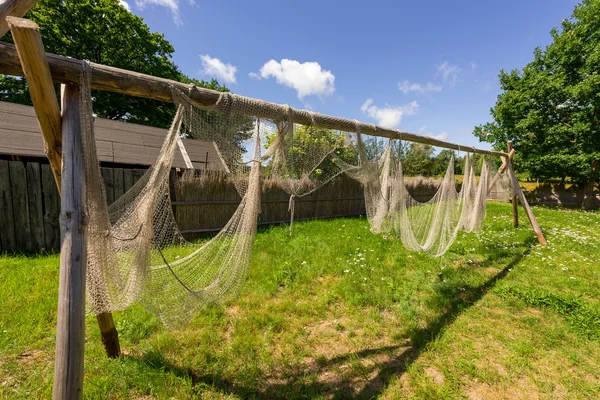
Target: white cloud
(406, 87)
(306, 78)
(389, 116)
(215, 67)
(172, 5)
(125, 5)
(449, 73)
(474, 66)
(441, 136)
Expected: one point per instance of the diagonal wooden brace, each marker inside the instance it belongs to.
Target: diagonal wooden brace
(30, 48)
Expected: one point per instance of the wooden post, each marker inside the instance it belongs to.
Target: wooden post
(32, 56)
(109, 335)
(500, 171)
(515, 210)
(70, 328)
(13, 8)
(30, 48)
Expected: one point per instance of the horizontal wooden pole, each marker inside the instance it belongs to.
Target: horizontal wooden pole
(67, 70)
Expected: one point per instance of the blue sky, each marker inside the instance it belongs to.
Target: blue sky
(428, 67)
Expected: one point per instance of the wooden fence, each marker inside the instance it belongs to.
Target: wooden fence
(30, 204)
(205, 203)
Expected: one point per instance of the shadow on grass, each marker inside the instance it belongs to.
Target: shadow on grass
(363, 382)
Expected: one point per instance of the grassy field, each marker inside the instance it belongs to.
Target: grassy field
(336, 312)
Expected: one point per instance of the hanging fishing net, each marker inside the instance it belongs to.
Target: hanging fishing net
(135, 250)
(136, 253)
(429, 226)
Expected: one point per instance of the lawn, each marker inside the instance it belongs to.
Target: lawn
(335, 312)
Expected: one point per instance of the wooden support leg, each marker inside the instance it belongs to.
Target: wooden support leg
(515, 212)
(70, 328)
(109, 334)
(515, 209)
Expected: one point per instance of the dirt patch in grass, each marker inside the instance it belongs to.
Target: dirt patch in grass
(34, 357)
(233, 311)
(342, 360)
(437, 376)
(522, 388)
(329, 338)
(6, 379)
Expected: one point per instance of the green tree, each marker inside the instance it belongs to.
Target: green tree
(312, 151)
(441, 161)
(104, 32)
(551, 108)
(418, 160)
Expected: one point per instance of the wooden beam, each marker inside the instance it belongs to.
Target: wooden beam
(184, 154)
(13, 8)
(32, 56)
(67, 70)
(515, 209)
(70, 328)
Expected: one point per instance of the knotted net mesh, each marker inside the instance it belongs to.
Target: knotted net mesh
(429, 226)
(304, 157)
(135, 250)
(136, 253)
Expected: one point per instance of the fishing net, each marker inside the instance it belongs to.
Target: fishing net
(136, 253)
(135, 250)
(429, 226)
(304, 157)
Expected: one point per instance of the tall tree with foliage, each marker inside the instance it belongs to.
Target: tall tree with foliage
(551, 108)
(418, 160)
(104, 32)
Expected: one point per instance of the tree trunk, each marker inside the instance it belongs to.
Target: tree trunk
(589, 197)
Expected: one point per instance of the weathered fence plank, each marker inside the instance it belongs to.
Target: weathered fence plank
(118, 184)
(51, 209)
(18, 186)
(107, 176)
(202, 202)
(128, 179)
(36, 217)
(7, 225)
(137, 174)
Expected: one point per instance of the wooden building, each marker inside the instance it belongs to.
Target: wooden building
(117, 142)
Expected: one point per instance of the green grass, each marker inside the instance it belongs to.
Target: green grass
(336, 312)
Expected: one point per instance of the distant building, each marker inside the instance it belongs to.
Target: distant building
(117, 142)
